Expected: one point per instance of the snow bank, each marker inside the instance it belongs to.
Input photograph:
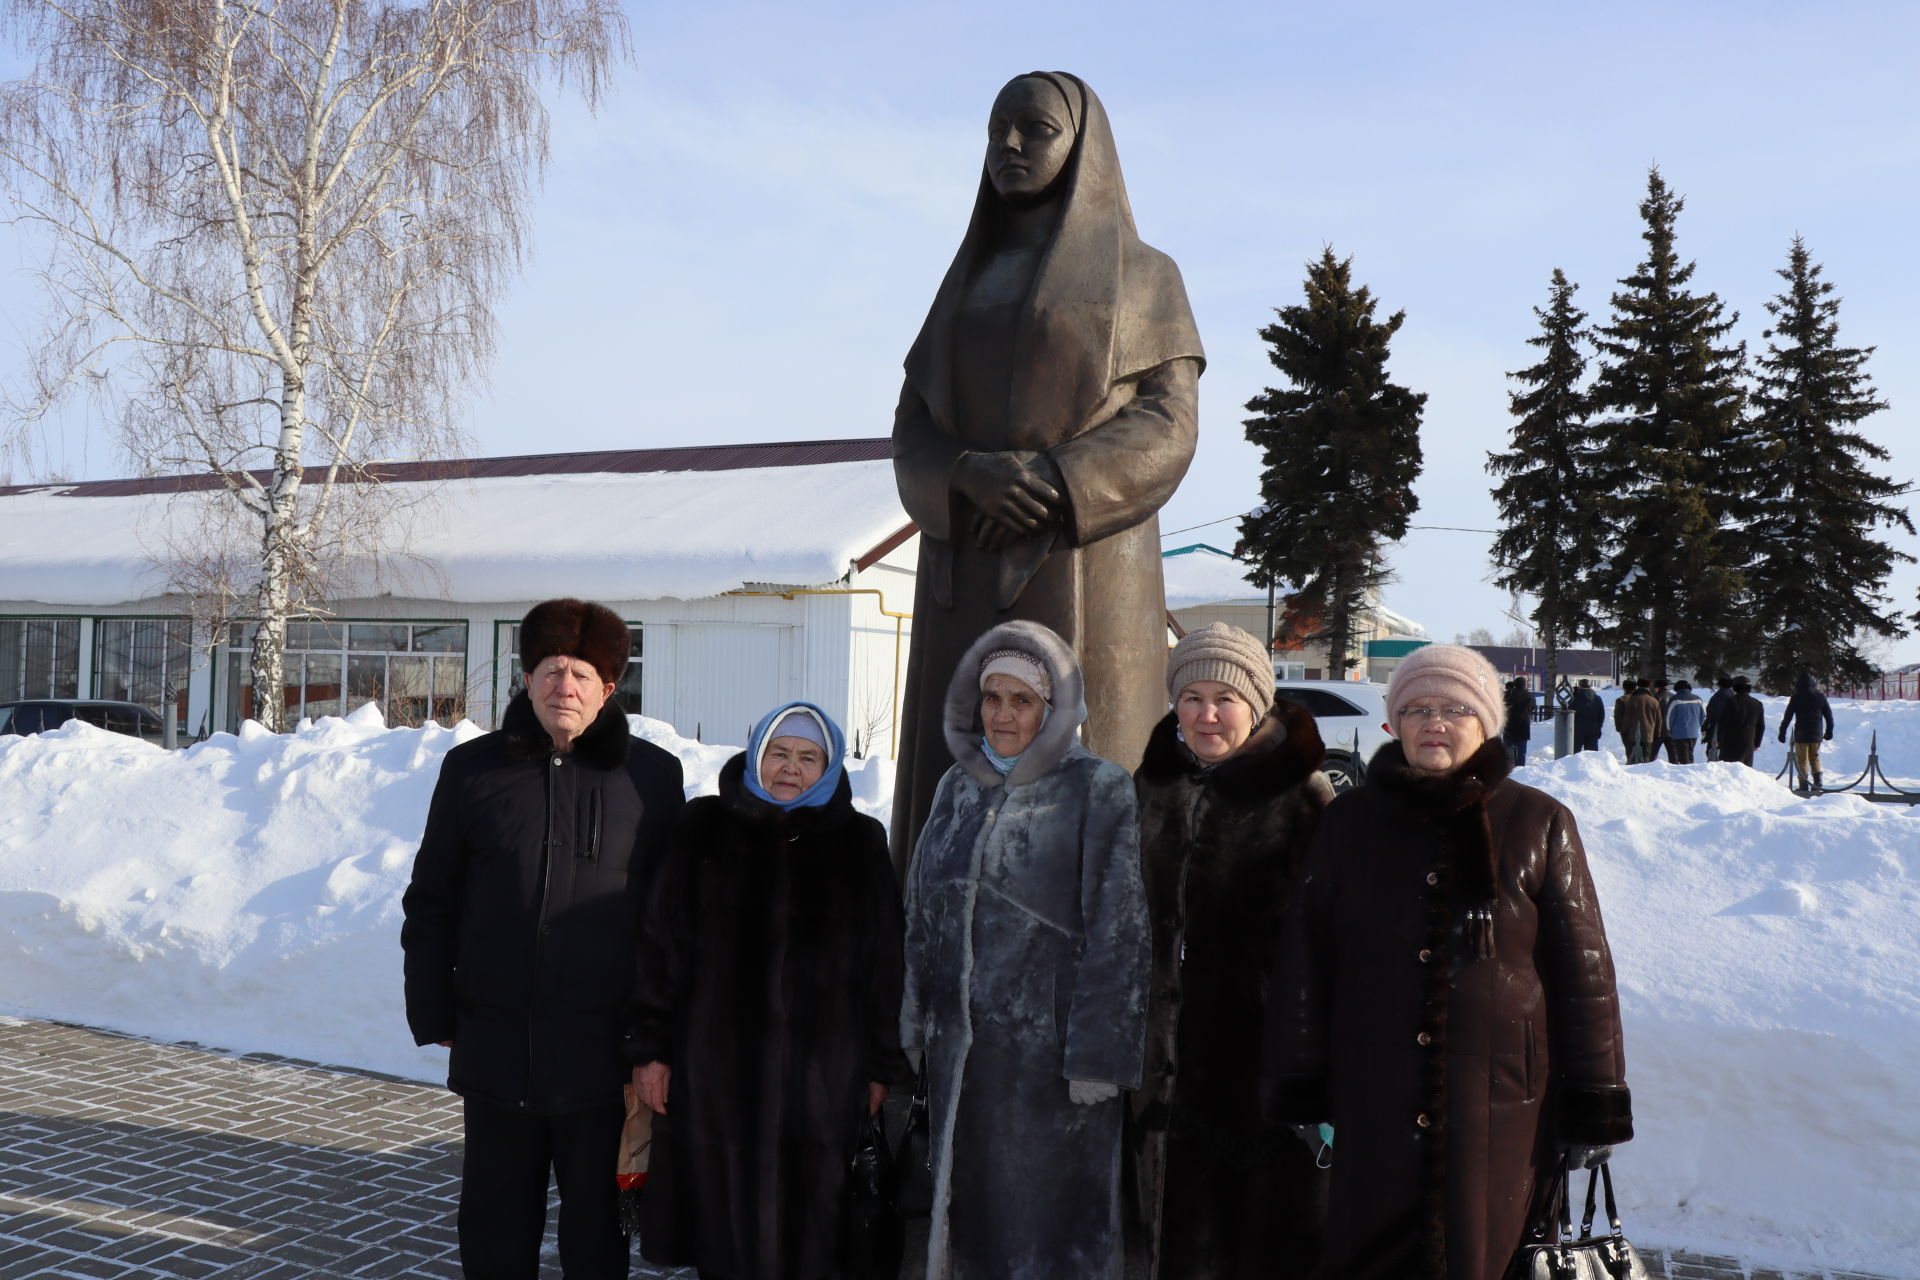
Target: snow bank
(245, 893)
(1768, 951)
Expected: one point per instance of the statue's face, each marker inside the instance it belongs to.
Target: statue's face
(1028, 139)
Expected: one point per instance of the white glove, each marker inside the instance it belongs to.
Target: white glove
(1087, 1092)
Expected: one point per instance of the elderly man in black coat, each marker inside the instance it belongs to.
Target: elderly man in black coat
(1589, 717)
(520, 931)
(1742, 724)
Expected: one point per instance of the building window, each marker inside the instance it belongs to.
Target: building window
(414, 671)
(39, 658)
(626, 694)
(143, 660)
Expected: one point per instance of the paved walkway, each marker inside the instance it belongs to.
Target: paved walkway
(121, 1158)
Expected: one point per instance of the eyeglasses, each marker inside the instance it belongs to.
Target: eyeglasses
(1451, 715)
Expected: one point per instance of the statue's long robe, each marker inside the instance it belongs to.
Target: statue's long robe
(1094, 362)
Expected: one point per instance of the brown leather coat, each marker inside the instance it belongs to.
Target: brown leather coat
(1448, 1003)
(1637, 717)
(1218, 1192)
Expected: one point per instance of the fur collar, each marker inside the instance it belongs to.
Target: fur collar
(603, 745)
(1283, 751)
(1058, 736)
(823, 817)
(1440, 794)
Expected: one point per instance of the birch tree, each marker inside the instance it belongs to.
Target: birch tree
(275, 233)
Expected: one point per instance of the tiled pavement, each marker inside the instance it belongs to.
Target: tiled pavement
(122, 1158)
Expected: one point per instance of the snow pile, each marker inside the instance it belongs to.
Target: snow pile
(1768, 951)
(246, 893)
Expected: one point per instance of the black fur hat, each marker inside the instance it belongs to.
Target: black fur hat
(577, 629)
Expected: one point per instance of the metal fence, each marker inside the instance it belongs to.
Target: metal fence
(1901, 685)
(1872, 784)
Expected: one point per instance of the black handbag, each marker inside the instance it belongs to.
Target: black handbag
(1589, 1257)
(873, 1240)
(913, 1158)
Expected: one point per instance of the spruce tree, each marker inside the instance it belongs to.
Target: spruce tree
(1670, 464)
(1550, 538)
(1818, 574)
(1340, 448)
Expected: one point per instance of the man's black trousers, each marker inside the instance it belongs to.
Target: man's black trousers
(503, 1192)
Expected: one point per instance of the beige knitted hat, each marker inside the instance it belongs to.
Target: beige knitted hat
(1450, 671)
(1227, 654)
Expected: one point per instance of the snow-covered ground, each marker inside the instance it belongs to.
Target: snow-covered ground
(245, 893)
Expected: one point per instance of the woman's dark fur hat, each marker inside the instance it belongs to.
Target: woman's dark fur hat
(576, 629)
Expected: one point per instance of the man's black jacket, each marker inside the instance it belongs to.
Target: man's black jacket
(524, 905)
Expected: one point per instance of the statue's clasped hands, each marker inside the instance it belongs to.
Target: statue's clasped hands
(1014, 495)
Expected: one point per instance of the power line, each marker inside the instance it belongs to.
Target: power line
(1427, 528)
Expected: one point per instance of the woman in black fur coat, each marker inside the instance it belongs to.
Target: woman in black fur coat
(1447, 998)
(767, 1009)
(1230, 792)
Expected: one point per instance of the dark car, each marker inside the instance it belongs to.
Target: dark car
(38, 715)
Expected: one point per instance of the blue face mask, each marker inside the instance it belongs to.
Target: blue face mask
(1003, 765)
(820, 792)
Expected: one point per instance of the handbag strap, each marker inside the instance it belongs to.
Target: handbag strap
(1613, 1210)
(1586, 1218)
(1563, 1193)
(1557, 1206)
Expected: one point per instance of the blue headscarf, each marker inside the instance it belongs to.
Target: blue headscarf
(820, 792)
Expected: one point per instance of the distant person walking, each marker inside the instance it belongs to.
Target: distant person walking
(1519, 730)
(1684, 716)
(1812, 720)
(1664, 696)
(1636, 717)
(1743, 724)
(1710, 727)
(1589, 717)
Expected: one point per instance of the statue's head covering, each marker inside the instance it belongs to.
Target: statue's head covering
(1104, 307)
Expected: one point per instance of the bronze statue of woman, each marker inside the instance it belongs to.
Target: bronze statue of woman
(1049, 411)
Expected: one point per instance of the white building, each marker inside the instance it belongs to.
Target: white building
(750, 574)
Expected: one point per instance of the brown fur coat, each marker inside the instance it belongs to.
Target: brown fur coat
(1216, 1192)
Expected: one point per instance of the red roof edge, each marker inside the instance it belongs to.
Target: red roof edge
(699, 457)
(874, 556)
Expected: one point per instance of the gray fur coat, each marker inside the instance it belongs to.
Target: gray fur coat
(1028, 954)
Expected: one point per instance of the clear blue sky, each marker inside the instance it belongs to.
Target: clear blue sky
(741, 245)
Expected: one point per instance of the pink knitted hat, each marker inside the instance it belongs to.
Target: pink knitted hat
(1454, 672)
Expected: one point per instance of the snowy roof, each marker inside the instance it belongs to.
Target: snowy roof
(703, 522)
(1201, 574)
(1205, 575)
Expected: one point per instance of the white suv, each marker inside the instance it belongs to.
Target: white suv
(1352, 716)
